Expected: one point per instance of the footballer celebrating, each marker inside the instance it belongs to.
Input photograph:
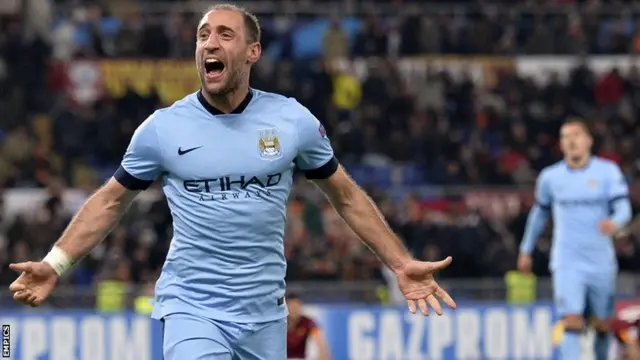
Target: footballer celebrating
(226, 155)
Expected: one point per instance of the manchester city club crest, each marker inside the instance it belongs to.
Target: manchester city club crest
(269, 144)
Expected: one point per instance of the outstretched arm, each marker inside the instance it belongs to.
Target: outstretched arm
(415, 278)
(92, 223)
(360, 213)
(316, 159)
(140, 166)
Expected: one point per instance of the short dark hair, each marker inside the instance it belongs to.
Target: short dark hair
(579, 122)
(251, 23)
(293, 296)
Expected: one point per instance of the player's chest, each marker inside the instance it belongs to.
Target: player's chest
(216, 151)
(579, 189)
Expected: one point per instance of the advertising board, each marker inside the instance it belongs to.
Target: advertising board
(474, 331)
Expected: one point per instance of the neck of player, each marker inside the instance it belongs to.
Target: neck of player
(228, 102)
(578, 162)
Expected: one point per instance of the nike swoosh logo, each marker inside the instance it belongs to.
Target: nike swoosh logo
(182, 152)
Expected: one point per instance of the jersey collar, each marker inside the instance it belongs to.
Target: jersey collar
(214, 111)
(585, 167)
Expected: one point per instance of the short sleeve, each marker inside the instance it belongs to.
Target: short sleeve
(312, 325)
(628, 335)
(141, 164)
(618, 187)
(312, 328)
(543, 191)
(315, 154)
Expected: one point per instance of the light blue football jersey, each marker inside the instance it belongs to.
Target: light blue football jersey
(227, 179)
(579, 199)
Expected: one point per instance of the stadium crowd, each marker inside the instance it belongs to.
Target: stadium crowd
(455, 131)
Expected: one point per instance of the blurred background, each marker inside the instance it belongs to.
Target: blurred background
(444, 112)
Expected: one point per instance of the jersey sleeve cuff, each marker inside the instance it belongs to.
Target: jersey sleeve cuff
(324, 171)
(619, 197)
(525, 249)
(129, 181)
(545, 207)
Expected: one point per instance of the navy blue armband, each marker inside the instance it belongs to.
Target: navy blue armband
(616, 198)
(129, 181)
(324, 171)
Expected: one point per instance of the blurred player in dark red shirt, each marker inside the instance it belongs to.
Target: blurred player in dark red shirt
(300, 331)
(626, 327)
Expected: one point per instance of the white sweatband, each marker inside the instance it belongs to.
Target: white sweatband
(59, 260)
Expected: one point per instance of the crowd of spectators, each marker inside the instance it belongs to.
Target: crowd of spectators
(455, 131)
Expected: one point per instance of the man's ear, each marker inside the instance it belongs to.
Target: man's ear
(254, 52)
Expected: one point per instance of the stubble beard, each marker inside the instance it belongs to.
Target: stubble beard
(232, 83)
(577, 159)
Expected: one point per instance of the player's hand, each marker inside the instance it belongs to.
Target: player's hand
(524, 263)
(607, 227)
(418, 286)
(35, 283)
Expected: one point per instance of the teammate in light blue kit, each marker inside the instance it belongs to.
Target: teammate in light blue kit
(226, 156)
(588, 199)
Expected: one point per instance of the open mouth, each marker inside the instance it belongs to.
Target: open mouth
(213, 67)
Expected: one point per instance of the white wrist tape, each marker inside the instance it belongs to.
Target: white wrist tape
(59, 260)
